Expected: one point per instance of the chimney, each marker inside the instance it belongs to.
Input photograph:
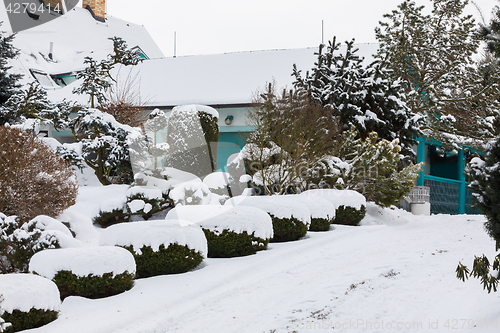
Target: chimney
(96, 7)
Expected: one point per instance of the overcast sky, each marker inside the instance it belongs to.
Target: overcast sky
(219, 26)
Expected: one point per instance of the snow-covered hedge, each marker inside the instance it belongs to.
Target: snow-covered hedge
(291, 219)
(159, 247)
(19, 243)
(322, 211)
(140, 201)
(191, 193)
(230, 231)
(92, 272)
(350, 205)
(29, 301)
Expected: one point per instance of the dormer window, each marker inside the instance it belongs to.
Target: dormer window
(43, 78)
(141, 53)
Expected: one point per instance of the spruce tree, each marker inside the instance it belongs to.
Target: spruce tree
(8, 81)
(491, 33)
(432, 54)
(364, 96)
(485, 176)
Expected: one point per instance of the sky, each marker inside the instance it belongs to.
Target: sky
(221, 26)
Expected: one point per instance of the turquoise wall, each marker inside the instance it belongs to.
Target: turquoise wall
(229, 143)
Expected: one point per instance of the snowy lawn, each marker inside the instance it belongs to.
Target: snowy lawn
(396, 272)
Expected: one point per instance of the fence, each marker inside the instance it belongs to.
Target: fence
(445, 196)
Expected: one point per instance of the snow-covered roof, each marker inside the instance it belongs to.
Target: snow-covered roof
(75, 35)
(230, 78)
(220, 79)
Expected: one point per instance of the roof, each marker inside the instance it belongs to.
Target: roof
(75, 35)
(226, 79)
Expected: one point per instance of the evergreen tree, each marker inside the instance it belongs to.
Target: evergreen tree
(8, 81)
(369, 166)
(491, 33)
(105, 145)
(485, 176)
(365, 97)
(96, 77)
(432, 54)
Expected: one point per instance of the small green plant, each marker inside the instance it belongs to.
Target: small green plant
(349, 215)
(105, 219)
(320, 224)
(92, 286)
(229, 244)
(171, 260)
(482, 270)
(287, 229)
(26, 320)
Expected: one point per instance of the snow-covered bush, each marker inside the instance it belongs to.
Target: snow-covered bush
(369, 166)
(34, 180)
(192, 136)
(29, 301)
(191, 193)
(322, 211)
(3, 324)
(230, 231)
(219, 182)
(106, 145)
(350, 205)
(18, 243)
(91, 272)
(159, 247)
(141, 201)
(290, 219)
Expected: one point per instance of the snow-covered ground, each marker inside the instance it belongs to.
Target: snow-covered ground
(396, 272)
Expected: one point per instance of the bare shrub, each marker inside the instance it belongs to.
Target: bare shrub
(34, 180)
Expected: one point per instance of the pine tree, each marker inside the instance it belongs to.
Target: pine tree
(485, 183)
(8, 81)
(97, 78)
(105, 145)
(369, 166)
(491, 33)
(365, 97)
(433, 57)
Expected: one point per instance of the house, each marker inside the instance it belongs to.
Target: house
(53, 52)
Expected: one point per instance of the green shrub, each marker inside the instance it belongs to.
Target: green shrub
(230, 244)
(19, 242)
(105, 219)
(287, 229)
(349, 215)
(91, 286)
(171, 260)
(26, 320)
(320, 224)
(120, 215)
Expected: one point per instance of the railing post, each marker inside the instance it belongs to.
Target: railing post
(421, 158)
(461, 178)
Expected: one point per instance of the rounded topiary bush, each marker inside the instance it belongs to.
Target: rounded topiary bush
(159, 247)
(92, 272)
(322, 211)
(290, 219)
(350, 205)
(230, 231)
(349, 215)
(174, 259)
(29, 301)
(30, 191)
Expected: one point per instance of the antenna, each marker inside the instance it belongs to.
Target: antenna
(175, 44)
(322, 32)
